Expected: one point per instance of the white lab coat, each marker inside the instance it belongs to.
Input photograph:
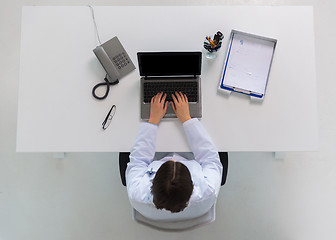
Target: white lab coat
(203, 164)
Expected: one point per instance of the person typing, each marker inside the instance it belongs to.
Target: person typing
(173, 186)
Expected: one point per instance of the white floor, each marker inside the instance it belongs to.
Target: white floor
(81, 197)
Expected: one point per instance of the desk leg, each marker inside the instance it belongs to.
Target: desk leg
(279, 155)
(59, 155)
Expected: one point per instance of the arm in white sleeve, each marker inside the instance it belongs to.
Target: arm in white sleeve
(205, 152)
(142, 154)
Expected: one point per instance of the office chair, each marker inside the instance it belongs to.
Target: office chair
(124, 159)
(177, 225)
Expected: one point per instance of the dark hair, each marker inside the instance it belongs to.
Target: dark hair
(172, 187)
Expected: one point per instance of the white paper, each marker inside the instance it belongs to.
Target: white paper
(249, 63)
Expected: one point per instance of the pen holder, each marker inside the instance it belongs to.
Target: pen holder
(211, 46)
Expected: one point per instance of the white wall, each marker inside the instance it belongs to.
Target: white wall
(80, 197)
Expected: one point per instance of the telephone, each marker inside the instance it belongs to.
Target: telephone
(116, 62)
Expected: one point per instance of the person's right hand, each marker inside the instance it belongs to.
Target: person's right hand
(180, 106)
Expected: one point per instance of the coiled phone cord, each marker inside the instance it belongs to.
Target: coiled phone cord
(107, 83)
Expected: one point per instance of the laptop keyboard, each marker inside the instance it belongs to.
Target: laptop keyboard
(188, 88)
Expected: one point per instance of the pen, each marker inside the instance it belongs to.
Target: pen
(211, 42)
(109, 117)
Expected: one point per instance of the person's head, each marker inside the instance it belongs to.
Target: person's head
(172, 187)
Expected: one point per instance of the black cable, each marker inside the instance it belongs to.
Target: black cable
(108, 84)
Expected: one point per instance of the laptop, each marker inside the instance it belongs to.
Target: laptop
(169, 72)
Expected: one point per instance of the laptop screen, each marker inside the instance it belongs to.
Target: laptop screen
(169, 63)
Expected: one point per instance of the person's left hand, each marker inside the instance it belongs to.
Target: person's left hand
(158, 108)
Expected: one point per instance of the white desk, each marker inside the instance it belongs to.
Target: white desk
(57, 112)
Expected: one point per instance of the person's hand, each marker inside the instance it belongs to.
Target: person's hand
(158, 108)
(181, 106)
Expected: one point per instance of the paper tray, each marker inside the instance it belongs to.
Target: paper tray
(247, 65)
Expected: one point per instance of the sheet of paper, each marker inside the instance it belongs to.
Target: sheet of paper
(249, 63)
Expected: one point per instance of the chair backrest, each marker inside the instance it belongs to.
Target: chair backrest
(124, 159)
(223, 156)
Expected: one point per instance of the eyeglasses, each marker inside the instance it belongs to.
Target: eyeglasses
(109, 117)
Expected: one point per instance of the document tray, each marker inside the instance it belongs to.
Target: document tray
(247, 65)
